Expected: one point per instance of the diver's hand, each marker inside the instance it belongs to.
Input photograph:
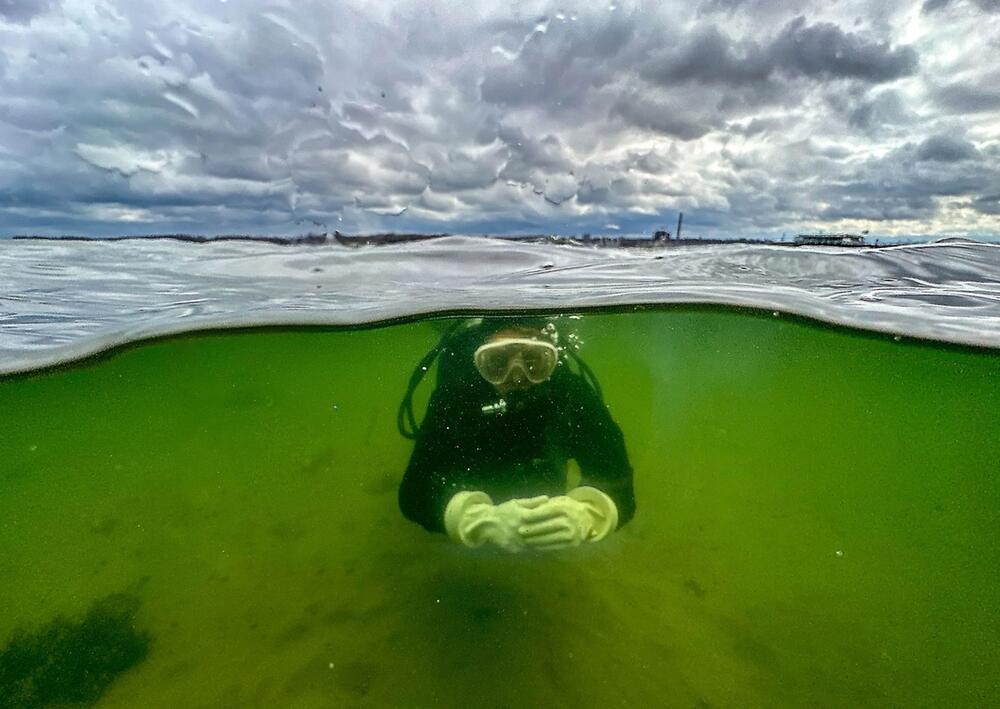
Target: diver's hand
(584, 514)
(472, 519)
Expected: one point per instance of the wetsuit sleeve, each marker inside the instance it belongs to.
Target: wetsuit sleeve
(433, 475)
(597, 444)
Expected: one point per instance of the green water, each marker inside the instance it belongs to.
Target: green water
(817, 525)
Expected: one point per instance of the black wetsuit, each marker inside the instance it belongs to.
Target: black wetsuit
(519, 453)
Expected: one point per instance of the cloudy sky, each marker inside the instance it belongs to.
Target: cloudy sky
(754, 117)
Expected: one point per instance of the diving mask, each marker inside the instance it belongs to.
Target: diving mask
(536, 359)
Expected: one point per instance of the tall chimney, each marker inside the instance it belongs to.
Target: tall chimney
(680, 220)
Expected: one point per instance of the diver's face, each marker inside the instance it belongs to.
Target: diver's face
(516, 359)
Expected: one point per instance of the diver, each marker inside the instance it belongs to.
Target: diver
(490, 464)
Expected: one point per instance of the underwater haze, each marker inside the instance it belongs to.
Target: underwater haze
(210, 519)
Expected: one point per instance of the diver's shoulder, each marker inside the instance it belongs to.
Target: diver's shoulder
(565, 379)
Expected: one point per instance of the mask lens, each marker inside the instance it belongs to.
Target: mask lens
(493, 363)
(539, 361)
(496, 360)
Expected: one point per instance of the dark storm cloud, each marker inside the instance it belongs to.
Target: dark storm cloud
(946, 148)
(24, 10)
(721, 5)
(661, 117)
(459, 170)
(712, 58)
(824, 50)
(527, 153)
(964, 97)
(558, 65)
(912, 181)
(755, 7)
(820, 51)
(930, 6)
(988, 204)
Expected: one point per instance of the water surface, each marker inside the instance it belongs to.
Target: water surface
(63, 300)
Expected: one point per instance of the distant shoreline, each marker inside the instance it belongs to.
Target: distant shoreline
(396, 238)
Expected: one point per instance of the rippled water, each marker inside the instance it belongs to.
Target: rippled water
(64, 300)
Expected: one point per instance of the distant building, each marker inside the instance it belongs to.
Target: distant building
(829, 240)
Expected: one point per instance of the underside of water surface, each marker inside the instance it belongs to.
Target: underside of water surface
(817, 526)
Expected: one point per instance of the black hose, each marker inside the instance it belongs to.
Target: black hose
(588, 374)
(406, 421)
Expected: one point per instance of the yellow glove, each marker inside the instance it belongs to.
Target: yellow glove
(472, 519)
(584, 514)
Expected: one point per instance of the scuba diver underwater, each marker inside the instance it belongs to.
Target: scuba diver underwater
(491, 459)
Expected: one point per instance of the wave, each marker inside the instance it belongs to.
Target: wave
(61, 301)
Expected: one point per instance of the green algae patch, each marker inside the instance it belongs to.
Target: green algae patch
(72, 661)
